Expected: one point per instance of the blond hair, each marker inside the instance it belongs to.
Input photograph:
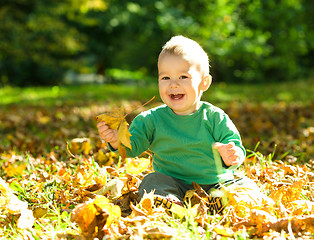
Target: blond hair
(190, 50)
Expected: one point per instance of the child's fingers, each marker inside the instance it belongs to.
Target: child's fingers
(231, 151)
(230, 145)
(233, 158)
(109, 136)
(218, 145)
(100, 124)
(102, 129)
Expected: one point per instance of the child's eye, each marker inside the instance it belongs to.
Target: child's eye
(183, 77)
(165, 78)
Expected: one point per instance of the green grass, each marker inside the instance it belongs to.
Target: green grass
(300, 91)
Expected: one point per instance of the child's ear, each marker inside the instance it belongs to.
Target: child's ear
(206, 81)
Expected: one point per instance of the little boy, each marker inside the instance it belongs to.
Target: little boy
(181, 133)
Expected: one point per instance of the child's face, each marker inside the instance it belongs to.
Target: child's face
(180, 84)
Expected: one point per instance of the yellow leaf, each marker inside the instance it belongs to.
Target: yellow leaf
(80, 145)
(85, 216)
(112, 118)
(124, 134)
(13, 170)
(227, 232)
(288, 194)
(244, 199)
(114, 214)
(102, 204)
(135, 166)
(116, 120)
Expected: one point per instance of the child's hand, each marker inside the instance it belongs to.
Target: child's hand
(229, 152)
(108, 134)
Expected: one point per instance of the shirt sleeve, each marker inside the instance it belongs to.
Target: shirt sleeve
(141, 130)
(224, 132)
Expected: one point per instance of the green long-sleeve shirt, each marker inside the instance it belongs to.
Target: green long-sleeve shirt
(182, 145)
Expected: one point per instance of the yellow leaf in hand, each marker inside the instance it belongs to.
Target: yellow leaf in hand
(112, 118)
(115, 119)
(124, 134)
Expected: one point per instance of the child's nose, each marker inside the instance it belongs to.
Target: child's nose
(174, 82)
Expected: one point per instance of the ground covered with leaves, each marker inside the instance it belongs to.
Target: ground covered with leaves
(59, 180)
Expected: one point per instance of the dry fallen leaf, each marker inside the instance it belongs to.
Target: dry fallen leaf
(114, 186)
(137, 165)
(11, 203)
(85, 216)
(93, 215)
(244, 199)
(80, 145)
(13, 170)
(221, 230)
(288, 194)
(103, 205)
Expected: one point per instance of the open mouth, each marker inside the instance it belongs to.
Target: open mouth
(176, 96)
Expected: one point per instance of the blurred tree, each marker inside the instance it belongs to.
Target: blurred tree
(252, 41)
(246, 40)
(36, 44)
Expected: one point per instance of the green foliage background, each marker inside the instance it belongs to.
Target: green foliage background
(247, 41)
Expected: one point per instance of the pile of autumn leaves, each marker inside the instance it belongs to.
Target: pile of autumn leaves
(115, 212)
(105, 200)
(102, 196)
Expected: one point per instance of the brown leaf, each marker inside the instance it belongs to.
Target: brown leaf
(199, 190)
(147, 203)
(103, 205)
(122, 151)
(297, 224)
(85, 216)
(91, 216)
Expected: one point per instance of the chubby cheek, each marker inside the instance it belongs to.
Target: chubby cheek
(162, 91)
(162, 87)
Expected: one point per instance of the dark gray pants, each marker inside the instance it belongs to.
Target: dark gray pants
(175, 189)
